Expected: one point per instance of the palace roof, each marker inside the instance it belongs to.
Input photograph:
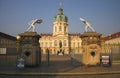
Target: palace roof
(74, 34)
(46, 34)
(50, 34)
(112, 36)
(3, 35)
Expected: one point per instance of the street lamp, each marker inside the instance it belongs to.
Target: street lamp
(18, 42)
(18, 37)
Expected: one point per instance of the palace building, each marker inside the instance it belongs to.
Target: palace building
(112, 43)
(70, 41)
(7, 44)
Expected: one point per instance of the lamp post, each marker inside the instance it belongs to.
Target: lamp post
(18, 43)
(20, 61)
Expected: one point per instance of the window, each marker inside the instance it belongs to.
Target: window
(64, 42)
(64, 29)
(50, 44)
(46, 44)
(60, 44)
(55, 43)
(74, 44)
(55, 29)
(78, 44)
(2, 50)
(60, 28)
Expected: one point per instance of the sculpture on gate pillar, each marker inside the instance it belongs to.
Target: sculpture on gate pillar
(91, 45)
(32, 24)
(88, 25)
(29, 47)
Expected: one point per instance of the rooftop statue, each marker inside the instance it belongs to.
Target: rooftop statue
(88, 25)
(32, 24)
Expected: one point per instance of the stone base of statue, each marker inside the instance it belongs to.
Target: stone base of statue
(91, 48)
(30, 48)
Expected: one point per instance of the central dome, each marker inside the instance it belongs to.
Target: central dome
(60, 17)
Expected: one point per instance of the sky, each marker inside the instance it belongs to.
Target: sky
(104, 15)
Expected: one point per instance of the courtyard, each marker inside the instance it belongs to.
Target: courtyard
(59, 67)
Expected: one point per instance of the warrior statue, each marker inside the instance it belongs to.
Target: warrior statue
(32, 23)
(88, 25)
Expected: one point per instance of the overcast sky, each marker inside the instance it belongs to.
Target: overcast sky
(104, 15)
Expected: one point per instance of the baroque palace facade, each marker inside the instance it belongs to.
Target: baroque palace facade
(112, 43)
(70, 42)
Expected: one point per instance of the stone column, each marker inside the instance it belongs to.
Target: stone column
(91, 48)
(30, 48)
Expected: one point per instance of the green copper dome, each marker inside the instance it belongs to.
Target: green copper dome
(60, 16)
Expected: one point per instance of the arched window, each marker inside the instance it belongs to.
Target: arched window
(60, 44)
(50, 44)
(78, 44)
(55, 29)
(60, 28)
(73, 44)
(46, 45)
(55, 43)
(64, 29)
(65, 43)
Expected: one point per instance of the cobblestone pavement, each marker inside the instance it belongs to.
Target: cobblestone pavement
(60, 64)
